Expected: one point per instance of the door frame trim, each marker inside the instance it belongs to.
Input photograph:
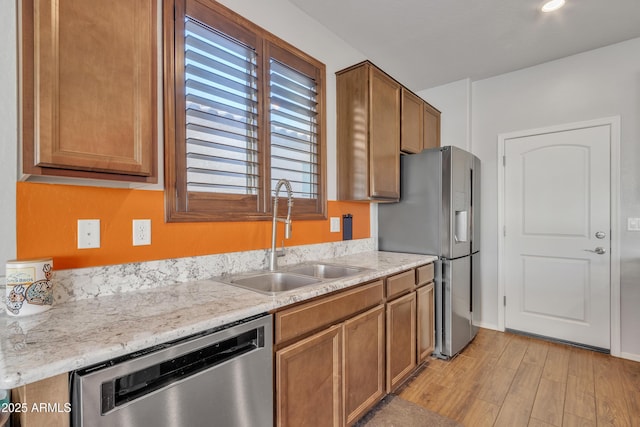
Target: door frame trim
(614, 126)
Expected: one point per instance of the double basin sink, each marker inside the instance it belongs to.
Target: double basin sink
(295, 277)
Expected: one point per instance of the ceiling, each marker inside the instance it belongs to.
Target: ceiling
(426, 43)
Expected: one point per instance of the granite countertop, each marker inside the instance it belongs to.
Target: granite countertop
(81, 333)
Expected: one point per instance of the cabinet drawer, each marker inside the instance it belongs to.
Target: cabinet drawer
(424, 274)
(401, 284)
(297, 321)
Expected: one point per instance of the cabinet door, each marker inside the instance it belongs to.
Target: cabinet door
(352, 132)
(424, 296)
(90, 86)
(364, 374)
(431, 127)
(401, 339)
(384, 136)
(309, 381)
(54, 391)
(412, 125)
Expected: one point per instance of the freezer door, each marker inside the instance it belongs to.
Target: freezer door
(456, 203)
(475, 293)
(475, 205)
(456, 284)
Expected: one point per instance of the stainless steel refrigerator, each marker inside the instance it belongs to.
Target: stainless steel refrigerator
(439, 214)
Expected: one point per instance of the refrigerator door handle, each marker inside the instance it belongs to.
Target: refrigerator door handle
(461, 227)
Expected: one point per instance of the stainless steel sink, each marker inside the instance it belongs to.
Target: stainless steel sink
(294, 277)
(326, 271)
(271, 283)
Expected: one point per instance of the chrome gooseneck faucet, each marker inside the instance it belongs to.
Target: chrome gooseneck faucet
(273, 255)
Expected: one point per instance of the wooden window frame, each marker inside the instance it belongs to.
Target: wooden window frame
(181, 206)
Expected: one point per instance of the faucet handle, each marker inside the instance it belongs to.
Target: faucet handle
(287, 230)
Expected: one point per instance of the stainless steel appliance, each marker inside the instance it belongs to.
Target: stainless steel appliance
(223, 378)
(439, 214)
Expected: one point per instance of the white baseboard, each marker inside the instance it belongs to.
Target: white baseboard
(630, 356)
(493, 326)
(486, 325)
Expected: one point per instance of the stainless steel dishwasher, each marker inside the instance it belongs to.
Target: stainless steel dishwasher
(221, 378)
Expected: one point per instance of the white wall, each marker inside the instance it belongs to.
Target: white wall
(596, 84)
(454, 101)
(8, 132)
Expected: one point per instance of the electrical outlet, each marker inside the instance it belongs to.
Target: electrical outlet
(88, 233)
(335, 224)
(141, 232)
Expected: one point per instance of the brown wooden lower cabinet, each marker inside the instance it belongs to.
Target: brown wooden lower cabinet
(364, 363)
(340, 368)
(401, 339)
(309, 381)
(53, 391)
(425, 321)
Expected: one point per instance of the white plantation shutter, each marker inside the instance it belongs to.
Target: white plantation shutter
(244, 110)
(294, 130)
(221, 113)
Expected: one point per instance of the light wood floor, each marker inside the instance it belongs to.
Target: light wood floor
(503, 379)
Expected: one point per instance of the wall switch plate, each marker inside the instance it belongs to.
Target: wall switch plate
(141, 232)
(88, 233)
(633, 224)
(335, 224)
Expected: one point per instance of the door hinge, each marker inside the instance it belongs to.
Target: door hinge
(504, 160)
(504, 231)
(504, 300)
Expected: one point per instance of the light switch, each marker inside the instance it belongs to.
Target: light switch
(88, 233)
(633, 224)
(335, 224)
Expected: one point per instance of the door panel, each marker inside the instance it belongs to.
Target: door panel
(568, 196)
(364, 362)
(556, 200)
(384, 137)
(476, 315)
(401, 339)
(459, 173)
(457, 304)
(475, 205)
(425, 321)
(295, 381)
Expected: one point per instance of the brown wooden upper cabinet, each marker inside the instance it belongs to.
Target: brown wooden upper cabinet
(368, 152)
(89, 88)
(431, 127)
(412, 130)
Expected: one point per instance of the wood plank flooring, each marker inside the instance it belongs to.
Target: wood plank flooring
(503, 379)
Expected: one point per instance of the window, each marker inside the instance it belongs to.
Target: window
(243, 109)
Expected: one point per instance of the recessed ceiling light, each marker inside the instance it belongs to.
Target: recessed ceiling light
(552, 5)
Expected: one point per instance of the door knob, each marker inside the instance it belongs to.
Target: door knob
(599, 250)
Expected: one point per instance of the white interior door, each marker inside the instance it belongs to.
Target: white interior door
(557, 235)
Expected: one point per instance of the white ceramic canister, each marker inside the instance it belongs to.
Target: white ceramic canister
(29, 288)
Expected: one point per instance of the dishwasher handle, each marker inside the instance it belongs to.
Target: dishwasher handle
(137, 384)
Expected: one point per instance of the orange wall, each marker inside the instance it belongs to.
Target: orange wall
(47, 217)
